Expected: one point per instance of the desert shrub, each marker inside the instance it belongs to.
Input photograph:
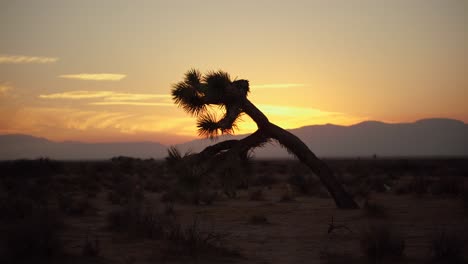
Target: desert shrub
(258, 219)
(137, 220)
(381, 242)
(125, 190)
(308, 185)
(194, 242)
(256, 195)
(234, 174)
(447, 247)
(35, 237)
(448, 185)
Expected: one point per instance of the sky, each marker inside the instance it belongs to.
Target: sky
(102, 70)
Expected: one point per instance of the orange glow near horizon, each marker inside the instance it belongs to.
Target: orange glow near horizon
(102, 71)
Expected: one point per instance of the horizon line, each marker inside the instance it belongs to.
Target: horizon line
(226, 135)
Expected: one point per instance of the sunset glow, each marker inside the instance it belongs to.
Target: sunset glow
(100, 71)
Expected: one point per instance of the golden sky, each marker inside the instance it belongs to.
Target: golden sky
(102, 70)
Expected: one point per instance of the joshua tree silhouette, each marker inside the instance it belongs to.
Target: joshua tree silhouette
(196, 92)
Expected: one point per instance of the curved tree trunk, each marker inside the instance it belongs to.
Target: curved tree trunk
(342, 198)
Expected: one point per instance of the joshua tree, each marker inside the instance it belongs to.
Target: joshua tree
(196, 92)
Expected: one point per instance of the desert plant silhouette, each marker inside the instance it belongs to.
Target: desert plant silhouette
(197, 92)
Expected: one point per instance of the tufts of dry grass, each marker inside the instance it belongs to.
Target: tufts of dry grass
(192, 242)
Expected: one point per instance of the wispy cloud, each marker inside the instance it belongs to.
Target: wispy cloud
(105, 95)
(94, 76)
(21, 59)
(63, 122)
(76, 95)
(132, 103)
(277, 85)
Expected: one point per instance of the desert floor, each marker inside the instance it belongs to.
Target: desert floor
(271, 220)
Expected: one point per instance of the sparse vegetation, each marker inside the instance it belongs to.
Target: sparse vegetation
(34, 237)
(138, 220)
(195, 243)
(43, 216)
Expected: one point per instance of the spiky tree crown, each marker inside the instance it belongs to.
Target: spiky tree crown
(197, 91)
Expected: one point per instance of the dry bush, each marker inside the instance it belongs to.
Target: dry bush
(138, 220)
(307, 185)
(447, 247)
(381, 242)
(125, 189)
(195, 243)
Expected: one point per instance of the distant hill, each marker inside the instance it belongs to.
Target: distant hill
(23, 146)
(428, 137)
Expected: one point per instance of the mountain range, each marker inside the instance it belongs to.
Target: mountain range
(423, 138)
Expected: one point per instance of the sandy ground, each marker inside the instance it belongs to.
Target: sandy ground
(296, 231)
